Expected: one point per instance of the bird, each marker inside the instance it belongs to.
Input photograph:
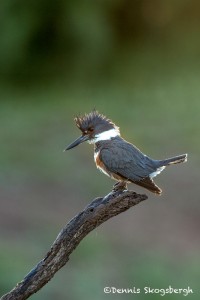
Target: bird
(116, 157)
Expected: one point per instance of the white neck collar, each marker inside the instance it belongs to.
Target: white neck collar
(106, 135)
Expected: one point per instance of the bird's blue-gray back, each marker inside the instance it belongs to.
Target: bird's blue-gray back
(123, 158)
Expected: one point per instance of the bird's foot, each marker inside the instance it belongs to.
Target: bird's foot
(120, 186)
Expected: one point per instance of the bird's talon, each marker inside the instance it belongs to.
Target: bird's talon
(120, 186)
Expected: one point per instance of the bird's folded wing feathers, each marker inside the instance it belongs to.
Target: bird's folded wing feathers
(128, 161)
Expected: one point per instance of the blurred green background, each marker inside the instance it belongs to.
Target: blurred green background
(138, 62)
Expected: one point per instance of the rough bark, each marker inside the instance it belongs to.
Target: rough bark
(96, 213)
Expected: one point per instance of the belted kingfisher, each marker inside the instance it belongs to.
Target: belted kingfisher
(118, 158)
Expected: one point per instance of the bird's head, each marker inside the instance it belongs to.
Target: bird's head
(94, 127)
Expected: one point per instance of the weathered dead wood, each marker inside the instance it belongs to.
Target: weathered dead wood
(96, 213)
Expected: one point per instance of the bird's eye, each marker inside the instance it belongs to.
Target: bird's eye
(89, 130)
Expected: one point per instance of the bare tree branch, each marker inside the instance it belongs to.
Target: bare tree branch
(96, 213)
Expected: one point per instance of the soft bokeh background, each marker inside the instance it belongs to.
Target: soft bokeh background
(138, 62)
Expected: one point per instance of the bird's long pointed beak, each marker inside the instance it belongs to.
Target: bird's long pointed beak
(78, 141)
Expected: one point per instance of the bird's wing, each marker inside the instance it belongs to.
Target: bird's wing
(126, 160)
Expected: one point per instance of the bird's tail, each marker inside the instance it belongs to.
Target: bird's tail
(174, 160)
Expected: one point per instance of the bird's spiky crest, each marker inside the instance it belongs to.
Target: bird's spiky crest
(92, 120)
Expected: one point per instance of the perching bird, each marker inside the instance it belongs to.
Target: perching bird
(118, 158)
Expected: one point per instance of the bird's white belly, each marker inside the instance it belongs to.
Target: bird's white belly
(97, 160)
